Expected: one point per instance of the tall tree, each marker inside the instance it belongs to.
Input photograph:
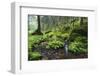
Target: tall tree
(38, 31)
(81, 21)
(39, 26)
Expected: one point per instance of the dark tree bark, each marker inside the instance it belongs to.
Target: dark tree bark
(39, 26)
(81, 22)
(38, 31)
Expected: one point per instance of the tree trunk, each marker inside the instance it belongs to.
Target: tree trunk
(38, 31)
(81, 22)
(39, 26)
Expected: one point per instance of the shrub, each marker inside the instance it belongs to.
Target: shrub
(53, 33)
(65, 36)
(34, 40)
(45, 37)
(34, 56)
(76, 47)
(79, 45)
(81, 39)
(54, 44)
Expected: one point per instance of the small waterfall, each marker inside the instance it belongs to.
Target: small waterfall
(66, 48)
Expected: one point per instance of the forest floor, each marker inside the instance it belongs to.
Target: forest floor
(52, 54)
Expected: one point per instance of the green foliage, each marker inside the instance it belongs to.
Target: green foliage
(73, 36)
(44, 37)
(81, 39)
(57, 29)
(33, 41)
(54, 44)
(64, 36)
(54, 39)
(79, 45)
(34, 56)
(54, 33)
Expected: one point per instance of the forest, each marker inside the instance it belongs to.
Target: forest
(57, 37)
